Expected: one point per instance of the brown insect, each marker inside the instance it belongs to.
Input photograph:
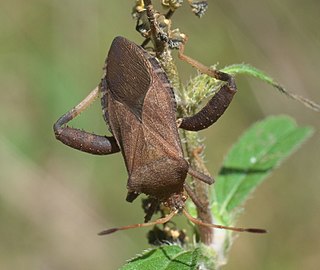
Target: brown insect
(139, 107)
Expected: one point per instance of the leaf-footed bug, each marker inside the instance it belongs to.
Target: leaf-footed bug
(139, 107)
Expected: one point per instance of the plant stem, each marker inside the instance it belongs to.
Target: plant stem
(193, 145)
(194, 149)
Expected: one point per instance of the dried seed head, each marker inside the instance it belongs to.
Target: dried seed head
(176, 38)
(137, 9)
(173, 4)
(198, 7)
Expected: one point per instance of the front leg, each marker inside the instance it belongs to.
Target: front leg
(82, 140)
(212, 111)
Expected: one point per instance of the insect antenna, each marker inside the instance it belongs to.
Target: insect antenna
(133, 226)
(199, 222)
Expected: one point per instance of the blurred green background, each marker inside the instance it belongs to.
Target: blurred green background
(53, 200)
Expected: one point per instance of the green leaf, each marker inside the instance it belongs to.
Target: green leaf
(165, 258)
(248, 70)
(252, 71)
(260, 149)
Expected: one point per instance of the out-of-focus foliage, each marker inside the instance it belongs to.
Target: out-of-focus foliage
(54, 199)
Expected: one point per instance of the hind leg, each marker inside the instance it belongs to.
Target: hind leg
(82, 140)
(212, 111)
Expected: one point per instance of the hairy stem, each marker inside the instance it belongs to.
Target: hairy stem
(194, 150)
(192, 140)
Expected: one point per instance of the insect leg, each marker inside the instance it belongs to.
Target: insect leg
(82, 140)
(212, 111)
(194, 197)
(153, 206)
(201, 176)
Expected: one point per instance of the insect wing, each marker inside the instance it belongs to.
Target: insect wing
(140, 106)
(127, 74)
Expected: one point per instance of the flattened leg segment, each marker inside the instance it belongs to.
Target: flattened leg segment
(82, 140)
(87, 142)
(212, 111)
